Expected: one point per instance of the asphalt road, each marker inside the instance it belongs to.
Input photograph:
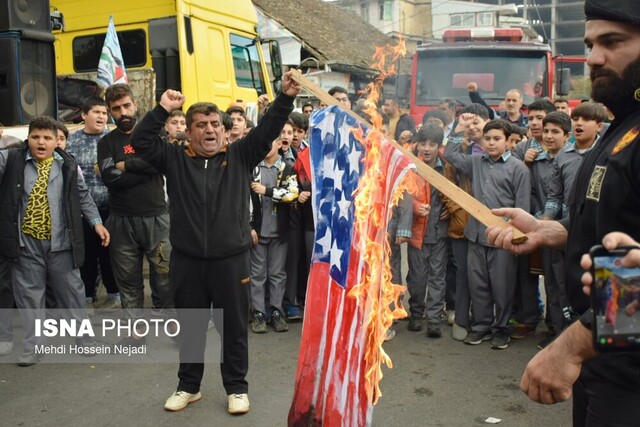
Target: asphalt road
(437, 382)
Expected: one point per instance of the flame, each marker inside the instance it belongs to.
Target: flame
(375, 292)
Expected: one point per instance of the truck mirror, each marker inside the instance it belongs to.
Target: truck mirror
(563, 81)
(276, 59)
(403, 86)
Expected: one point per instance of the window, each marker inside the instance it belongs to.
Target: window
(485, 19)
(388, 10)
(444, 73)
(381, 7)
(462, 20)
(246, 63)
(87, 49)
(364, 11)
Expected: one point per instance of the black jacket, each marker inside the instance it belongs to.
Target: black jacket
(209, 197)
(11, 189)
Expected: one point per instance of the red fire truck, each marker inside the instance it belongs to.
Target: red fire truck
(497, 59)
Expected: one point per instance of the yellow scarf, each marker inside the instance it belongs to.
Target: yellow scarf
(37, 218)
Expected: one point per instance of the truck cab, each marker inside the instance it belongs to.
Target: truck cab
(497, 59)
(209, 50)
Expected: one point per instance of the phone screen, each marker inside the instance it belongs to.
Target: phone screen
(616, 304)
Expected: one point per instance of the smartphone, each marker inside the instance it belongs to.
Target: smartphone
(615, 299)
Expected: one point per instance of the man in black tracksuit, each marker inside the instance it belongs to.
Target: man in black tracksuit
(208, 185)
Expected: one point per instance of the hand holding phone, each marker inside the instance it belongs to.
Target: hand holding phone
(615, 299)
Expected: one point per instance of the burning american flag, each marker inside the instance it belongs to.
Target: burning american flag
(350, 295)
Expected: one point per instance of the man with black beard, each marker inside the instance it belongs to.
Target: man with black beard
(606, 198)
(138, 219)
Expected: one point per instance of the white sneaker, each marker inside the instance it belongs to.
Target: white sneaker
(238, 403)
(180, 399)
(6, 348)
(389, 334)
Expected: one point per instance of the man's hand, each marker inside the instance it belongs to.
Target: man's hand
(472, 87)
(120, 166)
(549, 376)
(258, 188)
(610, 242)
(304, 196)
(172, 100)
(254, 237)
(289, 86)
(502, 237)
(103, 233)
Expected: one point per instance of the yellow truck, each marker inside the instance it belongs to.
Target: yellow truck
(207, 49)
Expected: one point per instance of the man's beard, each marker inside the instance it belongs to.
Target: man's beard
(128, 125)
(616, 92)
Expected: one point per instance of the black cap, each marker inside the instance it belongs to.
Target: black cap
(613, 10)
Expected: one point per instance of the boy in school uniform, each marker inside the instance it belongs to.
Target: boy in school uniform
(468, 139)
(43, 200)
(427, 250)
(274, 186)
(556, 132)
(533, 154)
(497, 179)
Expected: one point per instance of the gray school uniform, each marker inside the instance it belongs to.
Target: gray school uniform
(565, 168)
(504, 182)
(427, 265)
(269, 256)
(526, 299)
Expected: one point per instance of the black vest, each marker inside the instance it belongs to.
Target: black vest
(11, 189)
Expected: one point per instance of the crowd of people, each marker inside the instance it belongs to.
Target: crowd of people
(220, 208)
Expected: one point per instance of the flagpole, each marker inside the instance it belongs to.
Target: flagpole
(446, 187)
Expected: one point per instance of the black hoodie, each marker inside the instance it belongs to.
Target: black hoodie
(209, 197)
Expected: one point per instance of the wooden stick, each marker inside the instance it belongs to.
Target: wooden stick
(446, 187)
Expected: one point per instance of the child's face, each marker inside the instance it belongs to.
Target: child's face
(535, 123)
(42, 142)
(286, 135)
(513, 140)
(95, 119)
(474, 131)
(427, 151)
(495, 143)
(174, 125)
(239, 124)
(297, 137)
(553, 137)
(584, 130)
(61, 140)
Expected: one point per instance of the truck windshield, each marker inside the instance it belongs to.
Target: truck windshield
(246, 63)
(445, 73)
